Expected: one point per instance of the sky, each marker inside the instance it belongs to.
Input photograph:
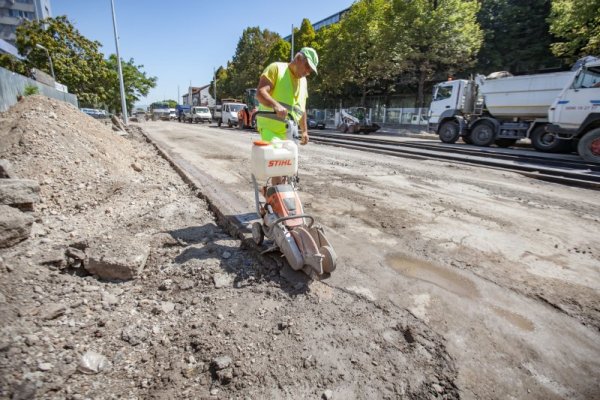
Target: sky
(182, 42)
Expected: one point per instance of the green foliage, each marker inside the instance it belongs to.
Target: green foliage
(280, 51)
(78, 62)
(249, 58)
(353, 53)
(516, 36)
(576, 24)
(136, 83)
(432, 37)
(304, 36)
(13, 64)
(31, 90)
(163, 104)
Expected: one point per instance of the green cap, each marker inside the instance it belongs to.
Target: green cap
(311, 57)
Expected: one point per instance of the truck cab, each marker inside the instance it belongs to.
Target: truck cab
(575, 114)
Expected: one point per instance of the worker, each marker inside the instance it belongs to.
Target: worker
(282, 88)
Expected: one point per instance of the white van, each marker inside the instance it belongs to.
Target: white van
(198, 114)
(229, 114)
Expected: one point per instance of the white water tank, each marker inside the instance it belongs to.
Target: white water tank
(526, 96)
(278, 158)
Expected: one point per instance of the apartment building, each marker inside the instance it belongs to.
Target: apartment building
(13, 13)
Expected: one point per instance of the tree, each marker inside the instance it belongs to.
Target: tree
(250, 55)
(430, 37)
(513, 42)
(305, 36)
(353, 55)
(78, 63)
(13, 64)
(136, 83)
(576, 23)
(280, 51)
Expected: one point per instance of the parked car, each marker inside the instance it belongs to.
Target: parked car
(313, 123)
(95, 113)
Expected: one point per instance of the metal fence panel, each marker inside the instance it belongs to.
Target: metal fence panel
(388, 117)
(13, 85)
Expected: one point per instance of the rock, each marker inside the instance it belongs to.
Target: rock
(75, 253)
(122, 259)
(222, 362)
(109, 299)
(53, 311)
(225, 376)
(93, 363)
(45, 366)
(20, 193)
(167, 284)
(438, 388)
(226, 255)
(222, 280)
(136, 167)
(134, 335)
(6, 170)
(15, 226)
(167, 307)
(24, 390)
(327, 395)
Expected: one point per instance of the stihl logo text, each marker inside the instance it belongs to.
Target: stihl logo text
(279, 163)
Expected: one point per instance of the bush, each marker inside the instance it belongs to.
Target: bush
(31, 90)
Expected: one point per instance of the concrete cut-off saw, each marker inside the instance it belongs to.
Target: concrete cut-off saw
(294, 233)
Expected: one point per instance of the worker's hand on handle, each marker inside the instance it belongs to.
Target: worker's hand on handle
(280, 110)
(304, 138)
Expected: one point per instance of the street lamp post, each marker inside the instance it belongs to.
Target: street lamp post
(39, 46)
(122, 86)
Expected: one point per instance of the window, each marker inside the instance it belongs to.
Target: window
(588, 78)
(443, 92)
(20, 14)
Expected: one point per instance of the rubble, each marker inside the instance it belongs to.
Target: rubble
(126, 287)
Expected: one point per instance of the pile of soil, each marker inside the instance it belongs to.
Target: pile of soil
(207, 318)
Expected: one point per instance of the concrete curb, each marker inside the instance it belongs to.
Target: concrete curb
(235, 226)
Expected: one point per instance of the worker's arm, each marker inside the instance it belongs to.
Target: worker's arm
(304, 129)
(263, 94)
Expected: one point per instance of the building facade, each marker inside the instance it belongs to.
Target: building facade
(200, 97)
(14, 12)
(332, 19)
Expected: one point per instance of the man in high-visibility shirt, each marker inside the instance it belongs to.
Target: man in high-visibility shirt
(282, 88)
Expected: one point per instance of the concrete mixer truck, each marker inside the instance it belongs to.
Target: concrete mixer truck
(554, 110)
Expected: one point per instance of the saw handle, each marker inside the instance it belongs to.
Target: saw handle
(310, 217)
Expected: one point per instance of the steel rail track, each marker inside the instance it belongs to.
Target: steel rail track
(541, 167)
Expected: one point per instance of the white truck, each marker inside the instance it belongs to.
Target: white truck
(197, 114)
(227, 113)
(554, 110)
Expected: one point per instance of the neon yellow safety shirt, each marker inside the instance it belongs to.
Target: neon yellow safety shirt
(290, 92)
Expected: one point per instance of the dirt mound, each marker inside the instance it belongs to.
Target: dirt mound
(206, 319)
(70, 153)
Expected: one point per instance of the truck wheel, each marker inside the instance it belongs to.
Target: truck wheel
(229, 125)
(449, 132)
(242, 124)
(505, 142)
(467, 138)
(547, 142)
(589, 146)
(343, 127)
(483, 135)
(219, 122)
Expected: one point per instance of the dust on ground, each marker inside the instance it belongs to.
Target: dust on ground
(207, 318)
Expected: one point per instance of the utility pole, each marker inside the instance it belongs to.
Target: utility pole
(215, 84)
(177, 94)
(292, 51)
(122, 86)
(39, 46)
